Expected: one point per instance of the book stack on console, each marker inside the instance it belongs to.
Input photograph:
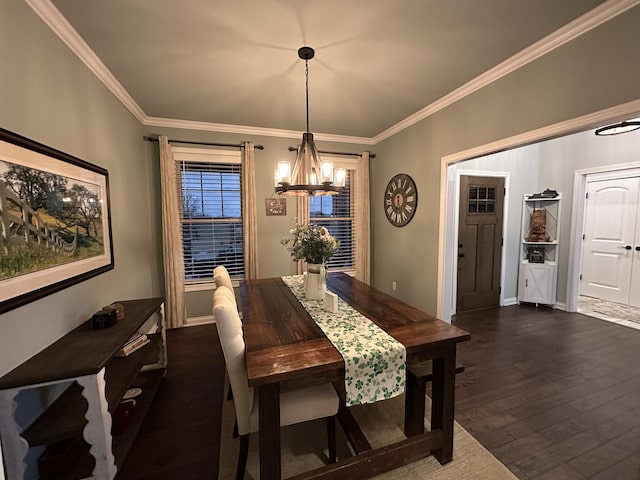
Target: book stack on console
(137, 341)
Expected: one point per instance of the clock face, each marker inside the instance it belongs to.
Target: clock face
(400, 200)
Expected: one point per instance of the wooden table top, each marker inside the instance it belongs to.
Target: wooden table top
(285, 344)
(84, 350)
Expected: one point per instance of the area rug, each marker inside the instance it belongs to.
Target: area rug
(609, 311)
(304, 447)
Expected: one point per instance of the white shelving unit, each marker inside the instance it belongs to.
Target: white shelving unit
(537, 280)
(86, 361)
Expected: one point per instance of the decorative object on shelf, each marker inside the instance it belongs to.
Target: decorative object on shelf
(313, 244)
(136, 342)
(546, 194)
(119, 308)
(620, 127)
(105, 318)
(400, 200)
(56, 217)
(275, 206)
(538, 226)
(314, 176)
(535, 255)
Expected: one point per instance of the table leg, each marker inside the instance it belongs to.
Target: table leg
(97, 431)
(269, 434)
(443, 402)
(415, 391)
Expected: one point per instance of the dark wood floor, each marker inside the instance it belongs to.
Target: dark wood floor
(180, 435)
(553, 395)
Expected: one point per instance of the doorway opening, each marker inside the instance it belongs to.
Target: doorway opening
(447, 247)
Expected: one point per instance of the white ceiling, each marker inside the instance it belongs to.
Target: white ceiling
(235, 63)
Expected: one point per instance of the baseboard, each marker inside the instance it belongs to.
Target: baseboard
(194, 321)
(507, 302)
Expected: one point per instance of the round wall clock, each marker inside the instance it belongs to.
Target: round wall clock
(400, 200)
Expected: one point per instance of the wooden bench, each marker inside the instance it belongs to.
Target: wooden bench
(418, 375)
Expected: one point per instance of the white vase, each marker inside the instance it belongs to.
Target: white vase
(315, 281)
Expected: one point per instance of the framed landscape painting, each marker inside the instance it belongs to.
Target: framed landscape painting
(55, 228)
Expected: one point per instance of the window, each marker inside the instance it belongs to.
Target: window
(211, 213)
(337, 214)
(482, 199)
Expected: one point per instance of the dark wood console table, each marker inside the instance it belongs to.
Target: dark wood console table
(85, 361)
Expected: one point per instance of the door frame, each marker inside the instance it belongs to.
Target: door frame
(578, 217)
(446, 222)
(505, 209)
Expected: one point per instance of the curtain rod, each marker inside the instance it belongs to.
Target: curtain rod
(211, 144)
(371, 155)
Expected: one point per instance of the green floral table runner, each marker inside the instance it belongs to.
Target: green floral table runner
(375, 363)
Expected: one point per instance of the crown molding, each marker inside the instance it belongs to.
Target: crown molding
(61, 27)
(245, 130)
(574, 125)
(599, 15)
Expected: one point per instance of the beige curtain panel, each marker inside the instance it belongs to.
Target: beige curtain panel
(363, 220)
(171, 239)
(249, 212)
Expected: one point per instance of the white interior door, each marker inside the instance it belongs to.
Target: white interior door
(634, 293)
(610, 229)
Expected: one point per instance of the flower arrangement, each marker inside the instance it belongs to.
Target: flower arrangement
(311, 243)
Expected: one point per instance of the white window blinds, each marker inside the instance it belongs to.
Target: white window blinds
(211, 216)
(336, 213)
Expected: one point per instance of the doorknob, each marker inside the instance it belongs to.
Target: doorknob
(627, 247)
(637, 248)
(461, 255)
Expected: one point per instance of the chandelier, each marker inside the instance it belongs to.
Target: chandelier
(310, 175)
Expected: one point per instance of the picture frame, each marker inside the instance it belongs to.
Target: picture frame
(55, 221)
(275, 207)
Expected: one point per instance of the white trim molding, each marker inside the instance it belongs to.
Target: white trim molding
(449, 279)
(581, 25)
(61, 27)
(447, 187)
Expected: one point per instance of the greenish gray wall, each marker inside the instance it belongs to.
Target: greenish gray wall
(586, 75)
(50, 96)
(273, 259)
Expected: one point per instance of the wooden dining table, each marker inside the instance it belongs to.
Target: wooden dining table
(285, 349)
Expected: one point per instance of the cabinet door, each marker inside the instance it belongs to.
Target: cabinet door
(537, 282)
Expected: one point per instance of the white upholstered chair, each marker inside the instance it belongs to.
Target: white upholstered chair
(221, 277)
(296, 406)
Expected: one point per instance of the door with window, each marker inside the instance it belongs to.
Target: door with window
(479, 242)
(611, 253)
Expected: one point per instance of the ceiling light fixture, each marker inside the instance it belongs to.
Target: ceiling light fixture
(617, 128)
(313, 175)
